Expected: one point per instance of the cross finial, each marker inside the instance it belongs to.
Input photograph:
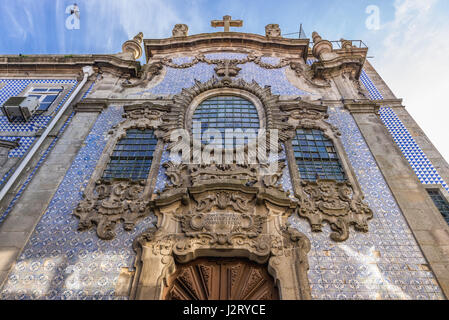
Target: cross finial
(227, 22)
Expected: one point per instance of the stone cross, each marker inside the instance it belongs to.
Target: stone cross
(227, 22)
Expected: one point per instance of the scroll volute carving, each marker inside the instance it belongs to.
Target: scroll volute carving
(144, 116)
(304, 71)
(335, 203)
(110, 203)
(306, 117)
(149, 72)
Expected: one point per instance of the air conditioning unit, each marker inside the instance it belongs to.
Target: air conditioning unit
(20, 108)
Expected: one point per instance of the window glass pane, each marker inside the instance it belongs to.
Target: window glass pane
(440, 203)
(46, 96)
(44, 106)
(132, 156)
(50, 98)
(316, 156)
(226, 112)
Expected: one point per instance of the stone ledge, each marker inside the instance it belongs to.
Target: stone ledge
(90, 106)
(8, 144)
(362, 107)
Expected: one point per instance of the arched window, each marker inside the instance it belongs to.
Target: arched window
(227, 112)
(132, 156)
(316, 156)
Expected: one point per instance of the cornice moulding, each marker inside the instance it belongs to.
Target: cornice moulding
(8, 144)
(42, 64)
(228, 39)
(362, 107)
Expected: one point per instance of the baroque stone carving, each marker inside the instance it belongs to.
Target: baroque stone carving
(335, 203)
(307, 118)
(221, 218)
(272, 31)
(203, 174)
(274, 116)
(147, 75)
(233, 220)
(304, 71)
(338, 203)
(180, 30)
(108, 202)
(112, 202)
(227, 68)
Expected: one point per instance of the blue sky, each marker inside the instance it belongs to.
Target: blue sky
(410, 47)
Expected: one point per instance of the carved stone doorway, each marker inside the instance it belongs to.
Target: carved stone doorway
(221, 279)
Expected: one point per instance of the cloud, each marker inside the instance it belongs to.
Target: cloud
(413, 62)
(18, 28)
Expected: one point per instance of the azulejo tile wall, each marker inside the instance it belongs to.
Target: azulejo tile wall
(386, 262)
(418, 160)
(61, 263)
(177, 79)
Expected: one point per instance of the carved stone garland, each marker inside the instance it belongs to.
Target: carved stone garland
(224, 68)
(107, 202)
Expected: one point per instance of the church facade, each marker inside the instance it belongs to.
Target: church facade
(229, 166)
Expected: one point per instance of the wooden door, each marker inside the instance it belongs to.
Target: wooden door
(221, 279)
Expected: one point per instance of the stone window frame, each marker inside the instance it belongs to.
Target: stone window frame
(333, 134)
(200, 98)
(340, 204)
(133, 158)
(107, 202)
(115, 135)
(61, 95)
(337, 161)
(443, 192)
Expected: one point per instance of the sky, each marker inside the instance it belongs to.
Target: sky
(407, 39)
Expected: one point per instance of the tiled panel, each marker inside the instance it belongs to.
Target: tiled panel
(418, 160)
(177, 79)
(386, 262)
(61, 263)
(34, 124)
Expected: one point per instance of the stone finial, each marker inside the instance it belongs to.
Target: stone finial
(346, 44)
(133, 46)
(180, 30)
(321, 48)
(272, 31)
(139, 37)
(316, 37)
